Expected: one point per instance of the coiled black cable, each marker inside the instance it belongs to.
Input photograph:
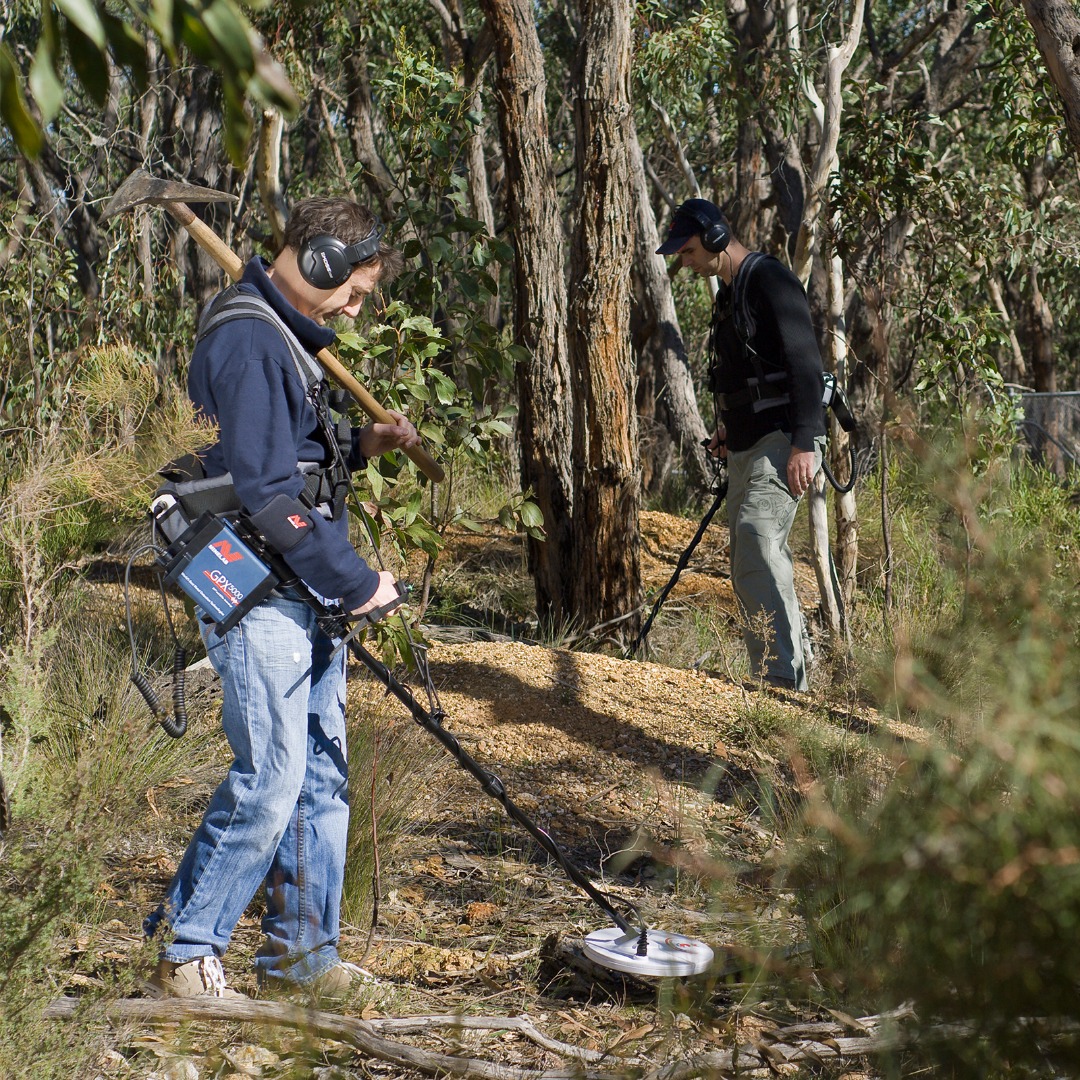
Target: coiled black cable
(176, 725)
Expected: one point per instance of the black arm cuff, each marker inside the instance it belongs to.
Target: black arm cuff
(284, 522)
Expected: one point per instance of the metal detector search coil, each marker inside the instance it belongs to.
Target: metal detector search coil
(656, 953)
(218, 571)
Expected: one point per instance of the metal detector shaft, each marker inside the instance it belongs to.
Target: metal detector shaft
(335, 627)
(721, 494)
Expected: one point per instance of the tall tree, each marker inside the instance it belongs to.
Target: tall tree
(1057, 31)
(665, 391)
(607, 571)
(826, 110)
(544, 417)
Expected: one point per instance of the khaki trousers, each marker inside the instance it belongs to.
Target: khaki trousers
(761, 511)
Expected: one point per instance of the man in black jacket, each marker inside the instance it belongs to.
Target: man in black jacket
(766, 374)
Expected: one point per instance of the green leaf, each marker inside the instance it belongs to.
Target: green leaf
(231, 33)
(271, 85)
(45, 87)
(531, 516)
(197, 37)
(89, 63)
(23, 127)
(83, 14)
(237, 123)
(163, 18)
(374, 478)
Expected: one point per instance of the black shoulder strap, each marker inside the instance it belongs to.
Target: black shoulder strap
(745, 325)
(233, 304)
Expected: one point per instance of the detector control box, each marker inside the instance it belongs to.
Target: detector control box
(218, 570)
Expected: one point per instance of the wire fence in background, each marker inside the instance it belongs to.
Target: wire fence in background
(1050, 424)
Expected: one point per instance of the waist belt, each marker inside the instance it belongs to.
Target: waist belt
(217, 495)
(760, 394)
(832, 397)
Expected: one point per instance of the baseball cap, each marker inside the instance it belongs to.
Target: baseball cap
(691, 218)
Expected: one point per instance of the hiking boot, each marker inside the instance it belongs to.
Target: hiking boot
(334, 984)
(202, 977)
(779, 682)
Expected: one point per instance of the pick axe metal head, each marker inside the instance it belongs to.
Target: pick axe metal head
(141, 188)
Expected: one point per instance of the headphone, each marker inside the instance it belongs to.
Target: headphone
(327, 263)
(715, 234)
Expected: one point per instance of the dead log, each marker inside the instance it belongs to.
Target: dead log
(815, 1043)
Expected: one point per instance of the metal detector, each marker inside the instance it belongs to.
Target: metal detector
(628, 946)
(721, 489)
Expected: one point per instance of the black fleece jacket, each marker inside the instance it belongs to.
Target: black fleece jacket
(783, 337)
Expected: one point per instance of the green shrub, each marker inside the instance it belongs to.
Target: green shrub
(958, 890)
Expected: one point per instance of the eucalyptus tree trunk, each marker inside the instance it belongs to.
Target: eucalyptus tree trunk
(607, 569)
(544, 417)
(827, 112)
(359, 109)
(268, 173)
(193, 149)
(1057, 30)
(658, 339)
(468, 55)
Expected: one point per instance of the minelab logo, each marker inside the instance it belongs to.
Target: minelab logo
(224, 586)
(223, 550)
(297, 522)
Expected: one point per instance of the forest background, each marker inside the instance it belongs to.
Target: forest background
(914, 165)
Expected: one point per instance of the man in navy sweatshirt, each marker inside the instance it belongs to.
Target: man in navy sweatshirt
(766, 374)
(280, 817)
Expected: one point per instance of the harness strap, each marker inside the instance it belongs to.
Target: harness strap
(233, 304)
(328, 486)
(766, 388)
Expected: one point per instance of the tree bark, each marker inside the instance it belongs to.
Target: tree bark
(358, 122)
(544, 417)
(1043, 370)
(268, 172)
(607, 577)
(658, 339)
(1057, 31)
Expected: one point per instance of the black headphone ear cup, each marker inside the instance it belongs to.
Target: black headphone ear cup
(323, 263)
(716, 237)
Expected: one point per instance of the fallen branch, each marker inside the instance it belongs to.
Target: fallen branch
(360, 1034)
(408, 1025)
(811, 1043)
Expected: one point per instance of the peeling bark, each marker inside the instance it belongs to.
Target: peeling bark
(607, 572)
(544, 418)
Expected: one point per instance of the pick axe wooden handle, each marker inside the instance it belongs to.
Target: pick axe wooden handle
(230, 262)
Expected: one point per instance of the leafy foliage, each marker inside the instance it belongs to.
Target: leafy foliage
(89, 36)
(958, 888)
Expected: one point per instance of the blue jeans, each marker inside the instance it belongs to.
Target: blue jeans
(281, 816)
(761, 511)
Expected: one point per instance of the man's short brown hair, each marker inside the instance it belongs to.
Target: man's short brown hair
(344, 219)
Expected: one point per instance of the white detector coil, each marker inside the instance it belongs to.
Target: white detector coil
(665, 955)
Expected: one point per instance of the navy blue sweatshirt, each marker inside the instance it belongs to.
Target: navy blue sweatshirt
(242, 377)
(783, 337)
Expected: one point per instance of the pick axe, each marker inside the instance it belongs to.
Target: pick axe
(141, 188)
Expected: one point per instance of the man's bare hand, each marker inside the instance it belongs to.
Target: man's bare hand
(386, 593)
(376, 439)
(718, 443)
(800, 470)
